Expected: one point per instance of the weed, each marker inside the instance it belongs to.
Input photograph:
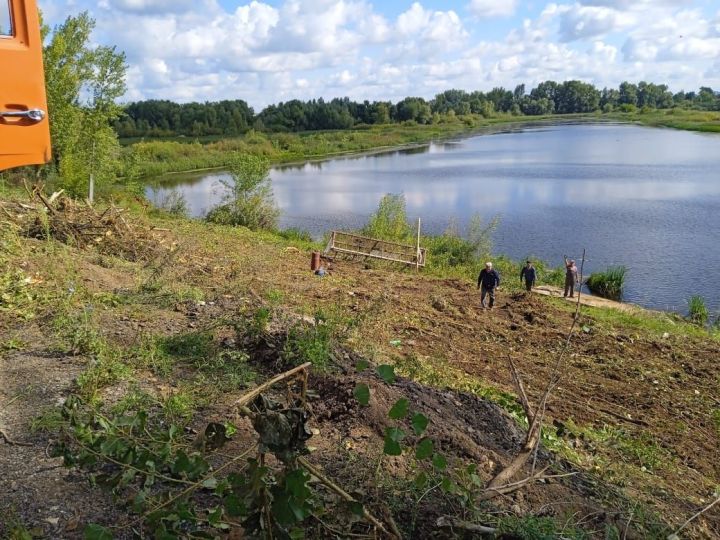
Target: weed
(295, 235)
(641, 450)
(106, 368)
(227, 371)
(698, 310)
(13, 344)
(310, 343)
(274, 296)
(174, 203)
(134, 400)
(50, 421)
(249, 201)
(152, 355)
(537, 528)
(193, 346)
(608, 284)
(389, 222)
(78, 331)
(179, 407)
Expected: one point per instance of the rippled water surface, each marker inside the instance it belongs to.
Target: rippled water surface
(643, 197)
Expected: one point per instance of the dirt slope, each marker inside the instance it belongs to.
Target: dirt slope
(633, 414)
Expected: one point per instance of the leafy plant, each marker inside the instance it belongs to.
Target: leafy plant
(389, 222)
(249, 200)
(608, 284)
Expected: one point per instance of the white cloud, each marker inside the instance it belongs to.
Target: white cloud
(148, 6)
(268, 52)
(492, 8)
(582, 22)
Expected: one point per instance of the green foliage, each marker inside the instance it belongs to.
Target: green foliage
(400, 409)
(362, 393)
(389, 222)
(393, 436)
(82, 83)
(174, 203)
(698, 310)
(310, 343)
(171, 484)
(424, 449)
(608, 284)
(295, 235)
(452, 250)
(387, 373)
(537, 528)
(249, 201)
(419, 423)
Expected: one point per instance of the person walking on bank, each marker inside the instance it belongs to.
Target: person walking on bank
(571, 278)
(528, 274)
(488, 282)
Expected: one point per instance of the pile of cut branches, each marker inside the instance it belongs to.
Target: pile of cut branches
(81, 225)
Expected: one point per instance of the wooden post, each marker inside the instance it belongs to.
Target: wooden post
(417, 252)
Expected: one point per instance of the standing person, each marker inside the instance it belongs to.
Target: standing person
(488, 281)
(528, 274)
(571, 278)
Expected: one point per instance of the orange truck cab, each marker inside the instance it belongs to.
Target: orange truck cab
(24, 127)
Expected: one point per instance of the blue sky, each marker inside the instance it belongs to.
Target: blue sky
(275, 50)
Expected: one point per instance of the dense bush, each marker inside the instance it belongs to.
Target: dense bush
(389, 222)
(249, 201)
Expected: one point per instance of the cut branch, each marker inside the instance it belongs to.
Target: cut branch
(250, 396)
(344, 494)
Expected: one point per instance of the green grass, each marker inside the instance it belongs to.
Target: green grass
(310, 343)
(608, 284)
(684, 119)
(698, 310)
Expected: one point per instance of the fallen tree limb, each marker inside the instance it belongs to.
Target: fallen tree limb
(250, 396)
(674, 536)
(344, 494)
(10, 441)
(448, 522)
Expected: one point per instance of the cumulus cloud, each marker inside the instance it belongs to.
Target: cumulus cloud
(265, 52)
(582, 22)
(492, 8)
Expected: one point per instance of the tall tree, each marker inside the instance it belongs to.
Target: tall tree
(83, 83)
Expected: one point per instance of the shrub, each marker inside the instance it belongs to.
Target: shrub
(450, 249)
(698, 310)
(389, 222)
(174, 203)
(608, 284)
(249, 201)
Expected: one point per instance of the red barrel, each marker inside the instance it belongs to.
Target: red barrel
(315, 260)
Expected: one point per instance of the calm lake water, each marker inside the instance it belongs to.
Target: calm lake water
(643, 197)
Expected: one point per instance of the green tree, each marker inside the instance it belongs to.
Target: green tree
(389, 222)
(83, 83)
(249, 201)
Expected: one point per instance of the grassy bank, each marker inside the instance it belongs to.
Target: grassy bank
(148, 158)
(156, 157)
(683, 119)
(174, 340)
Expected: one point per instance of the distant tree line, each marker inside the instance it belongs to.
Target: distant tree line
(162, 118)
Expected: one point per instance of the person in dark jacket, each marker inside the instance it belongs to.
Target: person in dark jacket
(571, 278)
(528, 274)
(488, 282)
